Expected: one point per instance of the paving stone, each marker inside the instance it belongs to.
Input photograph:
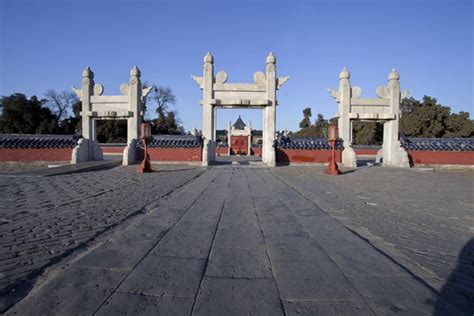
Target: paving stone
(364, 261)
(76, 291)
(311, 280)
(188, 239)
(330, 307)
(399, 295)
(223, 296)
(132, 304)
(295, 248)
(238, 263)
(170, 276)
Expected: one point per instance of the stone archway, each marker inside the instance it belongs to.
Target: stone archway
(219, 94)
(96, 106)
(385, 108)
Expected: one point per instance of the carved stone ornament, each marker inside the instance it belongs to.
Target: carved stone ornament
(78, 92)
(383, 92)
(334, 93)
(282, 80)
(197, 79)
(98, 89)
(124, 89)
(221, 77)
(145, 91)
(134, 81)
(259, 78)
(356, 91)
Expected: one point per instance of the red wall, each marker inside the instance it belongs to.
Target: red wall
(366, 151)
(305, 156)
(35, 154)
(441, 157)
(173, 154)
(257, 151)
(112, 149)
(222, 151)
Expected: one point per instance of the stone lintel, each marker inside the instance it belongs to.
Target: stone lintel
(110, 99)
(241, 87)
(372, 116)
(370, 102)
(108, 114)
(240, 102)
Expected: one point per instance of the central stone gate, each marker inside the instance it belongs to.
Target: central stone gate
(259, 95)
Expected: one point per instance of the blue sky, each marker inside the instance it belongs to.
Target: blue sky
(46, 45)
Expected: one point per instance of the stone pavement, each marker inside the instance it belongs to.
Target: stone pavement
(243, 240)
(43, 220)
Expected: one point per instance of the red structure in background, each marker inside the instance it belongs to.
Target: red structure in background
(332, 167)
(145, 165)
(239, 145)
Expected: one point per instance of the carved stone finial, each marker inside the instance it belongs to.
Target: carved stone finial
(344, 74)
(87, 73)
(271, 58)
(135, 72)
(208, 58)
(394, 75)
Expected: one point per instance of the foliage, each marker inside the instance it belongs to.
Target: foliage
(112, 131)
(427, 118)
(367, 133)
(306, 121)
(318, 129)
(23, 116)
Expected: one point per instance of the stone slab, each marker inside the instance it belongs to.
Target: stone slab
(400, 295)
(76, 291)
(158, 276)
(329, 307)
(238, 263)
(132, 304)
(312, 280)
(224, 296)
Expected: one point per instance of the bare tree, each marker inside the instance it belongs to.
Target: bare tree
(61, 103)
(163, 97)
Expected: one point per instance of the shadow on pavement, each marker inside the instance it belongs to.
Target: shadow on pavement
(459, 288)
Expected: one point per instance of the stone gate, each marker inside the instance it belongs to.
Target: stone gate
(384, 109)
(95, 106)
(219, 94)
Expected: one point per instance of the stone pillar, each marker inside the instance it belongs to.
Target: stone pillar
(87, 148)
(229, 133)
(344, 125)
(270, 113)
(207, 108)
(130, 155)
(249, 139)
(393, 152)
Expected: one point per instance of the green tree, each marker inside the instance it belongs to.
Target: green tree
(367, 133)
(429, 119)
(26, 116)
(306, 121)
